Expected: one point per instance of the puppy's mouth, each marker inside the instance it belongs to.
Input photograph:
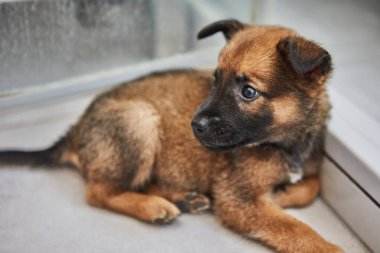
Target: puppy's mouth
(220, 141)
(223, 148)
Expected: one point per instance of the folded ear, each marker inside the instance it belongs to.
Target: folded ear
(228, 27)
(305, 57)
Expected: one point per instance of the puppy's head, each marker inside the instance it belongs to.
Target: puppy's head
(269, 87)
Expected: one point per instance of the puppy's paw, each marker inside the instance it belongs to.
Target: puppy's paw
(159, 211)
(193, 202)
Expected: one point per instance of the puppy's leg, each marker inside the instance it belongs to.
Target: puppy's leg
(298, 195)
(148, 208)
(191, 202)
(116, 143)
(263, 220)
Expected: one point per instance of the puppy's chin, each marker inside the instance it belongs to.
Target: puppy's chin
(226, 141)
(217, 148)
(224, 147)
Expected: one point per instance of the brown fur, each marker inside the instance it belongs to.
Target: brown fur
(298, 195)
(144, 207)
(135, 147)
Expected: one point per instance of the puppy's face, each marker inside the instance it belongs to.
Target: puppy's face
(269, 86)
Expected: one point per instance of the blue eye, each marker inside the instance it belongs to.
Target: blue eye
(248, 92)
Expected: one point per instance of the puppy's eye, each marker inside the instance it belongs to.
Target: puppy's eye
(249, 93)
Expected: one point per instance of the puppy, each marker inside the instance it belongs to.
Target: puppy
(152, 147)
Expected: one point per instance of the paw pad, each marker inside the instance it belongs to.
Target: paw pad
(193, 203)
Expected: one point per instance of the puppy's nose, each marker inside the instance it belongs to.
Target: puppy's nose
(200, 126)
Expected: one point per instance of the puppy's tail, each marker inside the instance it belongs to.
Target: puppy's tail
(50, 157)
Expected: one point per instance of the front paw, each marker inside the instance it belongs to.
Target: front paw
(158, 210)
(193, 202)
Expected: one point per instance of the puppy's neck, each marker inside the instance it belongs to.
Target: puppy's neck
(297, 152)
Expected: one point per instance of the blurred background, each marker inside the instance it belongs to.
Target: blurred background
(44, 41)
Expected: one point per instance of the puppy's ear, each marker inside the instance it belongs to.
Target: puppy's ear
(228, 27)
(306, 58)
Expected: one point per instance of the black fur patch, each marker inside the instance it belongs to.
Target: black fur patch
(305, 57)
(228, 27)
(48, 157)
(235, 127)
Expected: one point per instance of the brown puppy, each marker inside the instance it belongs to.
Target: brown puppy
(266, 107)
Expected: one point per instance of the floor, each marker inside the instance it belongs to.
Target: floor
(44, 210)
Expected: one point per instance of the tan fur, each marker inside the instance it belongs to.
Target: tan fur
(147, 208)
(146, 122)
(298, 195)
(285, 110)
(256, 40)
(137, 152)
(192, 202)
(257, 216)
(70, 157)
